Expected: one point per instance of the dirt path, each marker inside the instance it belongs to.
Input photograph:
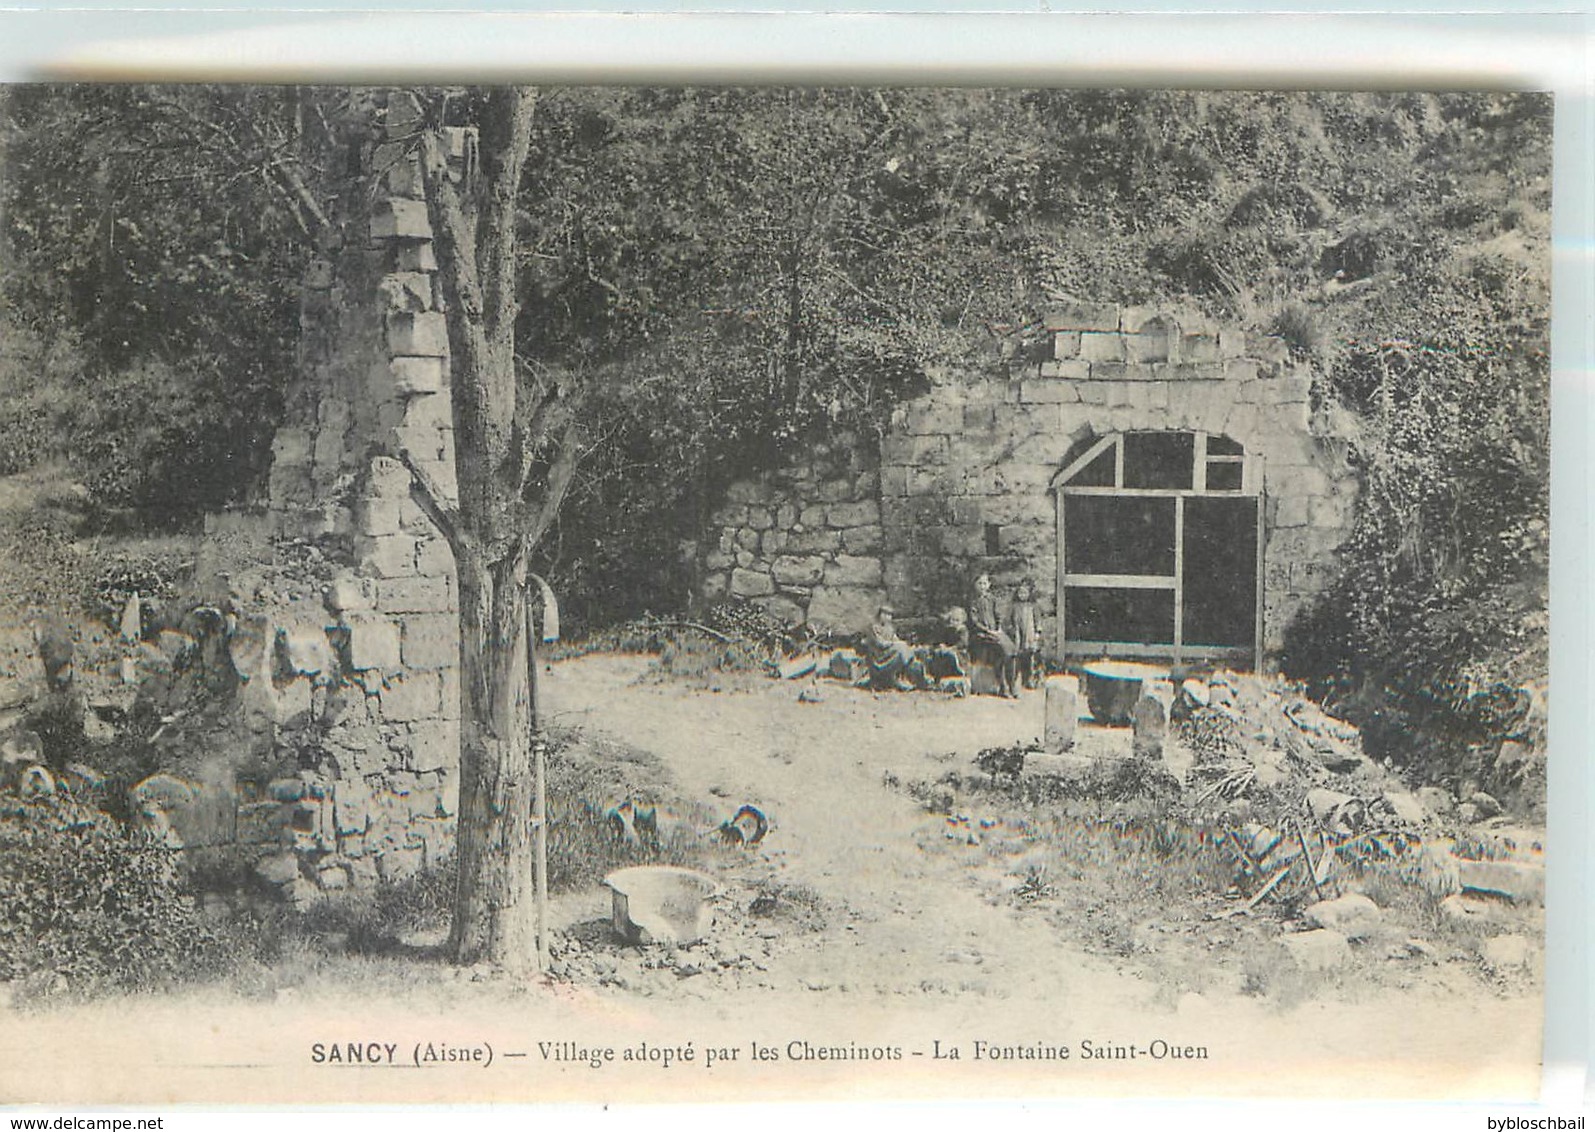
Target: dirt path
(910, 955)
(915, 923)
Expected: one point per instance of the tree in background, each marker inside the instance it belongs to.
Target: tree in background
(155, 240)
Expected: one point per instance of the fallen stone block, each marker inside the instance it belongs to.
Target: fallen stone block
(1353, 915)
(1521, 882)
(1436, 801)
(1318, 950)
(1406, 807)
(1473, 910)
(1330, 807)
(1195, 694)
(1062, 712)
(1150, 719)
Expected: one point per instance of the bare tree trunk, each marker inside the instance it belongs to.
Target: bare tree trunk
(491, 535)
(493, 915)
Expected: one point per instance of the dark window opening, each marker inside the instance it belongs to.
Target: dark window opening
(1130, 616)
(1113, 534)
(1159, 459)
(993, 539)
(1223, 476)
(1220, 584)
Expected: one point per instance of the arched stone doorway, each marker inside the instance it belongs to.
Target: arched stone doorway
(1160, 549)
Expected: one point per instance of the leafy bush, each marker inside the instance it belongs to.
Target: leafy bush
(87, 906)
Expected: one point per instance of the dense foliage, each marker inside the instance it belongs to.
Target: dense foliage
(87, 906)
(724, 271)
(149, 276)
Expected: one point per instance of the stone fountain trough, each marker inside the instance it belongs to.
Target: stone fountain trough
(1112, 688)
(661, 904)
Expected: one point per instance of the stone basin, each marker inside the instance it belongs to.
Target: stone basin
(1112, 688)
(661, 904)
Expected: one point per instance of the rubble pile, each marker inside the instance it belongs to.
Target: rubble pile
(751, 923)
(297, 732)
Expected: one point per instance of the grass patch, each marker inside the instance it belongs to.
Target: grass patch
(1115, 857)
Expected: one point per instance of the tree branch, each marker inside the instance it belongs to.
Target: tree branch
(433, 500)
(560, 474)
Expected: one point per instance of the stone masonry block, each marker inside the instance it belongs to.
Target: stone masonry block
(1189, 371)
(416, 255)
(853, 570)
(450, 708)
(1231, 343)
(413, 696)
(1048, 393)
(434, 745)
(387, 556)
(926, 420)
(376, 517)
(750, 583)
(413, 595)
(348, 593)
(863, 540)
(1096, 347)
(798, 571)
(1066, 344)
(1084, 316)
(1151, 347)
(400, 219)
(407, 291)
(434, 559)
(411, 376)
(420, 335)
(430, 640)
(1074, 369)
(1121, 371)
(1295, 388)
(373, 644)
(291, 448)
(861, 514)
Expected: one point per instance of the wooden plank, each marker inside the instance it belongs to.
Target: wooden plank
(1257, 595)
(1122, 581)
(1179, 573)
(1091, 454)
(1199, 472)
(1194, 652)
(1062, 570)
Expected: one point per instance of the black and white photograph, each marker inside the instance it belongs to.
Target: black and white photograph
(583, 593)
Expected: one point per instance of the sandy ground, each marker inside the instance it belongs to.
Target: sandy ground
(912, 962)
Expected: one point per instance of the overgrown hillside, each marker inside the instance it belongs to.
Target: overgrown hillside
(741, 267)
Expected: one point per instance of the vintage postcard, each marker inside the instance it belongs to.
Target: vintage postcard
(707, 592)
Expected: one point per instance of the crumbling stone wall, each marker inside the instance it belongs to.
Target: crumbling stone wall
(966, 472)
(804, 542)
(352, 705)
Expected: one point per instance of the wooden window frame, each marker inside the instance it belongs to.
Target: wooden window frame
(1179, 649)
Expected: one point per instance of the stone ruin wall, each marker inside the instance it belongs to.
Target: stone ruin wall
(348, 658)
(977, 455)
(803, 542)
